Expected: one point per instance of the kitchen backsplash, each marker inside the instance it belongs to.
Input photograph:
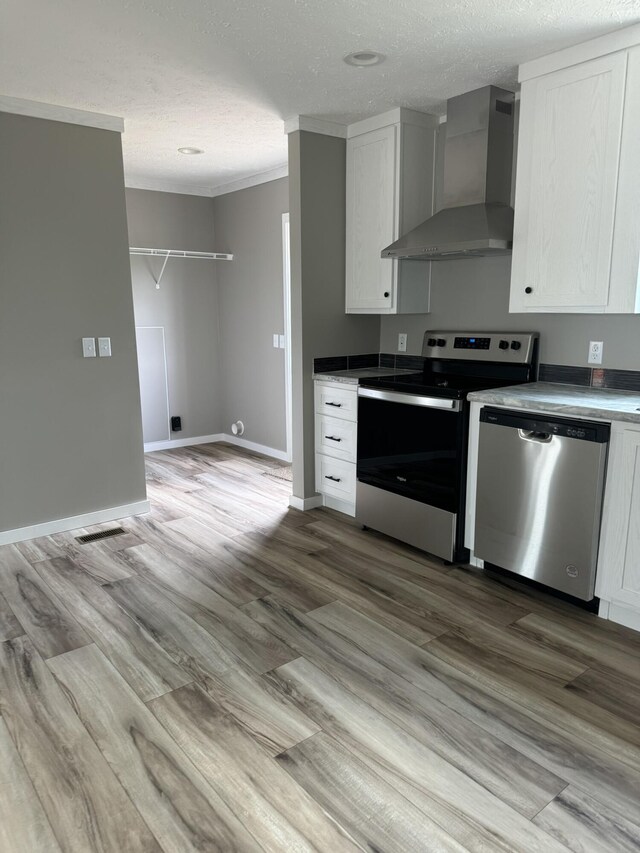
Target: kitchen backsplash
(596, 377)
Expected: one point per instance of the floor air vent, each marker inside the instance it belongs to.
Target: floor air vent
(102, 534)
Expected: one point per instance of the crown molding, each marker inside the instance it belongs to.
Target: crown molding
(162, 186)
(54, 112)
(315, 125)
(153, 185)
(251, 181)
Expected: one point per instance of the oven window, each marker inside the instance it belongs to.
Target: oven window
(411, 450)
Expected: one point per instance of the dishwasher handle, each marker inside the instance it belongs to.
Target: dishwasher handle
(535, 435)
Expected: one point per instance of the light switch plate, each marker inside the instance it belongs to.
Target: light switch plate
(276, 340)
(281, 341)
(402, 342)
(104, 347)
(88, 347)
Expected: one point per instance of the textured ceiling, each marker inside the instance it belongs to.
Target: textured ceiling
(222, 75)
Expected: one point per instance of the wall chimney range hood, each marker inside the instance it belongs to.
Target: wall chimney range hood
(476, 219)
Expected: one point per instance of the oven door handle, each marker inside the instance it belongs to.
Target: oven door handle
(411, 399)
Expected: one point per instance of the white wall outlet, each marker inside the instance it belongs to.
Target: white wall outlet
(104, 347)
(276, 340)
(595, 352)
(88, 347)
(402, 342)
(281, 341)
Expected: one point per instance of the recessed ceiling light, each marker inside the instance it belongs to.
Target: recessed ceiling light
(363, 58)
(190, 151)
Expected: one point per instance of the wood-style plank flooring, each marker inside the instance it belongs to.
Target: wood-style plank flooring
(233, 674)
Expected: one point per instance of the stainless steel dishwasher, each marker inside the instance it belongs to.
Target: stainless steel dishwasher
(539, 497)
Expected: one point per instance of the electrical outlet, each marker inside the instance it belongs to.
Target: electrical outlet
(595, 352)
(402, 342)
(104, 347)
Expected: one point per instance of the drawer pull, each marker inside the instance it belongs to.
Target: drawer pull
(332, 438)
(336, 405)
(329, 477)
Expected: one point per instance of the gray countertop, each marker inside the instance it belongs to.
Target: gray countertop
(571, 400)
(353, 377)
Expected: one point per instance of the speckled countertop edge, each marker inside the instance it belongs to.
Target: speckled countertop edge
(353, 377)
(570, 400)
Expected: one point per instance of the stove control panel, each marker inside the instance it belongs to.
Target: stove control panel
(471, 343)
(505, 347)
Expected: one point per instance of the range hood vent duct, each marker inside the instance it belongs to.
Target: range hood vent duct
(476, 219)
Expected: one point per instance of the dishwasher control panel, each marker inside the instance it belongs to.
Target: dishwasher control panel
(543, 425)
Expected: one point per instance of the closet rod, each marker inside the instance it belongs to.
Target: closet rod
(179, 253)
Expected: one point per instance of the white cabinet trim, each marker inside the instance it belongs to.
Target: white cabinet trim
(609, 43)
(397, 116)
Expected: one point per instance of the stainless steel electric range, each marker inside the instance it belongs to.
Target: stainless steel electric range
(413, 430)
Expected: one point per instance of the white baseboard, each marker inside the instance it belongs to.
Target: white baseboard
(305, 503)
(626, 616)
(257, 448)
(346, 507)
(61, 525)
(152, 446)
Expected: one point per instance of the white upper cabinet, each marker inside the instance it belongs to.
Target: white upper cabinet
(576, 237)
(390, 188)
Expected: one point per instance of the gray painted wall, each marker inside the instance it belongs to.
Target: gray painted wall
(249, 224)
(475, 294)
(320, 326)
(170, 221)
(186, 305)
(71, 429)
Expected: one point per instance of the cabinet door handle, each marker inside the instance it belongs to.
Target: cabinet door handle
(332, 438)
(386, 294)
(329, 477)
(528, 290)
(337, 405)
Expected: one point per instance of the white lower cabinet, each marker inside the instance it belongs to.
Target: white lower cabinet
(336, 478)
(618, 580)
(336, 407)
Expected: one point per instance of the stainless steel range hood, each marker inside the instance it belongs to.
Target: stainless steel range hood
(476, 218)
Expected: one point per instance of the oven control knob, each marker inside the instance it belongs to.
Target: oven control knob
(431, 342)
(441, 342)
(515, 344)
(504, 344)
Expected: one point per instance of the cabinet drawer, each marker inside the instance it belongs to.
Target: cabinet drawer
(336, 437)
(337, 400)
(335, 477)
